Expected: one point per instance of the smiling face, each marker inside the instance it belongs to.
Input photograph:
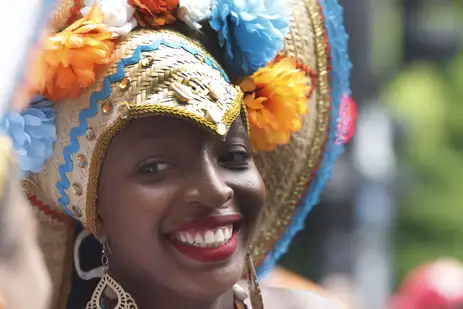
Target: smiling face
(177, 206)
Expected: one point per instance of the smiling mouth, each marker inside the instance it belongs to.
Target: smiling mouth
(209, 239)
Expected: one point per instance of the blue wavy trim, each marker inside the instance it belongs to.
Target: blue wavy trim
(341, 66)
(92, 110)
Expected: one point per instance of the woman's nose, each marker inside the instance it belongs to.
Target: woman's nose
(206, 186)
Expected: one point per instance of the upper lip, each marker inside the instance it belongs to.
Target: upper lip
(207, 222)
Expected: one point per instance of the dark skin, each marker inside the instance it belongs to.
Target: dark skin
(158, 173)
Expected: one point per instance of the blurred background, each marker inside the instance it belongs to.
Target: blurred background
(395, 202)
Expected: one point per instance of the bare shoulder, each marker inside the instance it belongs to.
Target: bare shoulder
(277, 298)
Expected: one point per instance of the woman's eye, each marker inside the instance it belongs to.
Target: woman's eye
(154, 168)
(236, 159)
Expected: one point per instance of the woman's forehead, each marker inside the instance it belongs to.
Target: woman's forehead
(165, 127)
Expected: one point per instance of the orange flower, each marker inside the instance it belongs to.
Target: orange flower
(276, 99)
(71, 58)
(154, 12)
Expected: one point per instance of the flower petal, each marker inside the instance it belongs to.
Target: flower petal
(252, 31)
(276, 106)
(71, 57)
(33, 133)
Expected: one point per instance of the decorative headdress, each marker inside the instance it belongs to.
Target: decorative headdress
(115, 60)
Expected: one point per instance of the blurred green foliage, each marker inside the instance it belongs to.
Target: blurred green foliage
(428, 98)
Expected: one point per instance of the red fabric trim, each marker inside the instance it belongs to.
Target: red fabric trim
(310, 73)
(46, 209)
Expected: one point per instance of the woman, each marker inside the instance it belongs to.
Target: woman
(167, 114)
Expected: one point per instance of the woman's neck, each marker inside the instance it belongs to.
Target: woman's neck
(161, 297)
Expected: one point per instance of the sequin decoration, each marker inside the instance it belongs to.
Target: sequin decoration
(107, 107)
(90, 134)
(125, 83)
(77, 189)
(147, 62)
(82, 161)
(75, 211)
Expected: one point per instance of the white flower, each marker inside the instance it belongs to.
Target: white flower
(118, 14)
(192, 12)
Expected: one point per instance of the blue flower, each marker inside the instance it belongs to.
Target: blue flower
(33, 132)
(252, 32)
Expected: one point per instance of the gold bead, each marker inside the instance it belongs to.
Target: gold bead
(146, 62)
(221, 129)
(125, 83)
(77, 189)
(107, 107)
(90, 134)
(75, 211)
(82, 161)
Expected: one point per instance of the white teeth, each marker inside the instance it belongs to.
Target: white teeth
(189, 238)
(199, 240)
(183, 237)
(219, 236)
(228, 232)
(207, 238)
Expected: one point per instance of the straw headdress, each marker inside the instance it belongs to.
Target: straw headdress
(141, 72)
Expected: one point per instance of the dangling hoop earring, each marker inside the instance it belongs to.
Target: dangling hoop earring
(124, 299)
(255, 294)
(254, 288)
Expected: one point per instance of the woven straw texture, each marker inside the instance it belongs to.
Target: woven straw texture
(65, 13)
(173, 80)
(288, 169)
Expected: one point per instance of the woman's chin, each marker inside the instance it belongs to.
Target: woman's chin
(207, 272)
(212, 285)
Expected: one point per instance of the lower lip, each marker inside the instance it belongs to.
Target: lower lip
(209, 254)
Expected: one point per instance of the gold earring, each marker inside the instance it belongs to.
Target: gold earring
(254, 288)
(107, 283)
